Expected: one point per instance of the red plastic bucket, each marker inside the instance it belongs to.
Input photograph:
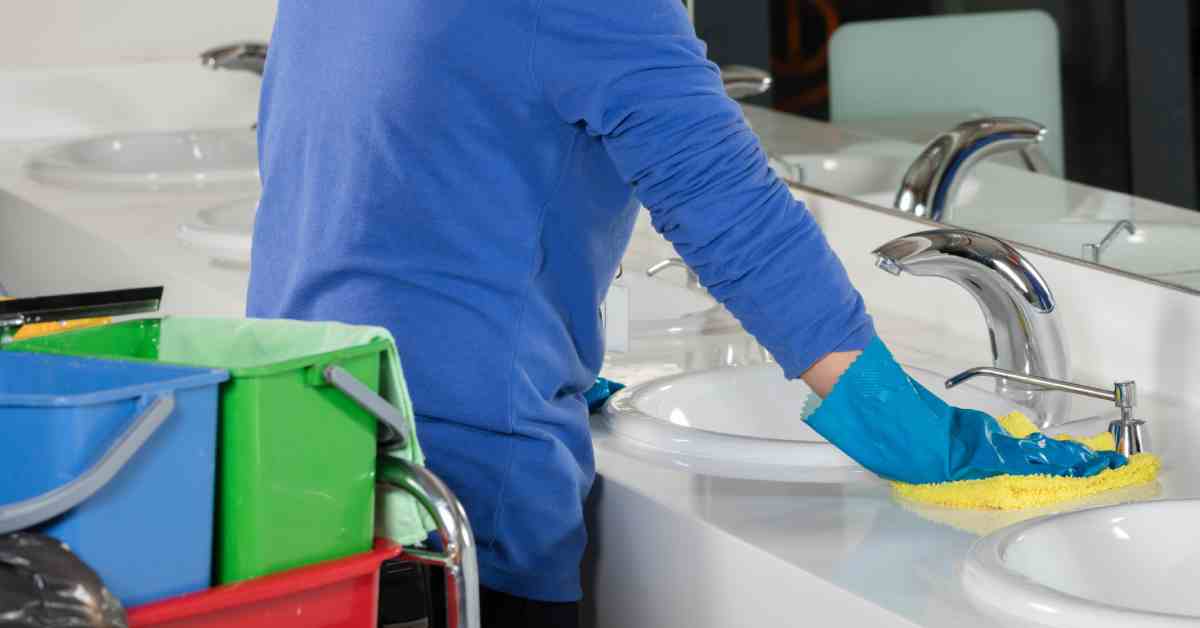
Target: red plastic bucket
(340, 593)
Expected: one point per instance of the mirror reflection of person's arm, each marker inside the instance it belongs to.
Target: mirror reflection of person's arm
(633, 74)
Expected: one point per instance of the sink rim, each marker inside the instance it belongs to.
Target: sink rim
(620, 413)
(986, 577)
(658, 441)
(54, 165)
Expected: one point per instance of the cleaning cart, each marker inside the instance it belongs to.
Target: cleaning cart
(290, 532)
(341, 593)
(298, 430)
(38, 316)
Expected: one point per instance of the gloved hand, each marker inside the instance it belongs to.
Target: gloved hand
(600, 392)
(893, 426)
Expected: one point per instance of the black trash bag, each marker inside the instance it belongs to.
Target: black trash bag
(44, 585)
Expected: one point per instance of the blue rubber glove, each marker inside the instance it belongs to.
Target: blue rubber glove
(893, 426)
(599, 393)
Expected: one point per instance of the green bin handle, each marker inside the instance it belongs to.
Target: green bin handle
(387, 414)
(34, 510)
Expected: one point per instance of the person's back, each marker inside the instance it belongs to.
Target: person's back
(463, 174)
(414, 178)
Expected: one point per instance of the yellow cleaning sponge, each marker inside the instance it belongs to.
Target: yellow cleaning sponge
(1018, 492)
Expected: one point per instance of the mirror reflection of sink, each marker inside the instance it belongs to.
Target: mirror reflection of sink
(745, 422)
(660, 307)
(1153, 248)
(181, 160)
(850, 175)
(1129, 565)
(874, 179)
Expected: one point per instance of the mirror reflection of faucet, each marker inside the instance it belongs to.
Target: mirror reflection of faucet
(693, 280)
(1092, 252)
(250, 56)
(743, 81)
(931, 184)
(1018, 308)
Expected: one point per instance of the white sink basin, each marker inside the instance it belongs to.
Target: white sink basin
(745, 422)
(1129, 565)
(198, 160)
(1153, 249)
(224, 231)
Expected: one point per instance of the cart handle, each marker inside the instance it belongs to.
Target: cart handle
(458, 542)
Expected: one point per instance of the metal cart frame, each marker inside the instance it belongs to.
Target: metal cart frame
(458, 542)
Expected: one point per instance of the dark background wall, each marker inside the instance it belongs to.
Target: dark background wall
(737, 32)
(1128, 67)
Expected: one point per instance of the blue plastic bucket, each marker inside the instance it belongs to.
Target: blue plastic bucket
(118, 461)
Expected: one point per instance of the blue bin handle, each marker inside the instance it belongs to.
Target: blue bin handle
(35, 510)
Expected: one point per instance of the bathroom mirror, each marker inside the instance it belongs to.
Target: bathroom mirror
(1101, 167)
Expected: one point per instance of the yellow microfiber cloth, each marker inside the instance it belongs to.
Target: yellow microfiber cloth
(1019, 492)
(984, 522)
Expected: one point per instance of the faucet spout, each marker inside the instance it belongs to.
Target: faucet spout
(931, 183)
(1017, 305)
(249, 56)
(743, 81)
(693, 280)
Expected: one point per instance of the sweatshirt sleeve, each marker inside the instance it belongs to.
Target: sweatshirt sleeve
(633, 73)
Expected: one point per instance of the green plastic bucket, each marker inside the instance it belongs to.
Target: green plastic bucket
(296, 457)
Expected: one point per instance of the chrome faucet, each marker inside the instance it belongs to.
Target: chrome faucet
(932, 181)
(1092, 252)
(743, 81)
(693, 280)
(1017, 305)
(1126, 431)
(250, 56)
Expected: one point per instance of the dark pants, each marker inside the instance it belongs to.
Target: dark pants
(414, 595)
(501, 610)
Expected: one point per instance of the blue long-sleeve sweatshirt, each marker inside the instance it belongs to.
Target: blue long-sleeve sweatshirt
(464, 173)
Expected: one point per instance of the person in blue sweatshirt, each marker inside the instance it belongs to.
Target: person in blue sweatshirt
(467, 174)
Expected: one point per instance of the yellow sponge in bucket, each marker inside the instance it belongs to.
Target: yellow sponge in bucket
(33, 330)
(1018, 492)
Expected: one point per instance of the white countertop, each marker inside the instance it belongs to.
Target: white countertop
(833, 551)
(854, 538)
(706, 550)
